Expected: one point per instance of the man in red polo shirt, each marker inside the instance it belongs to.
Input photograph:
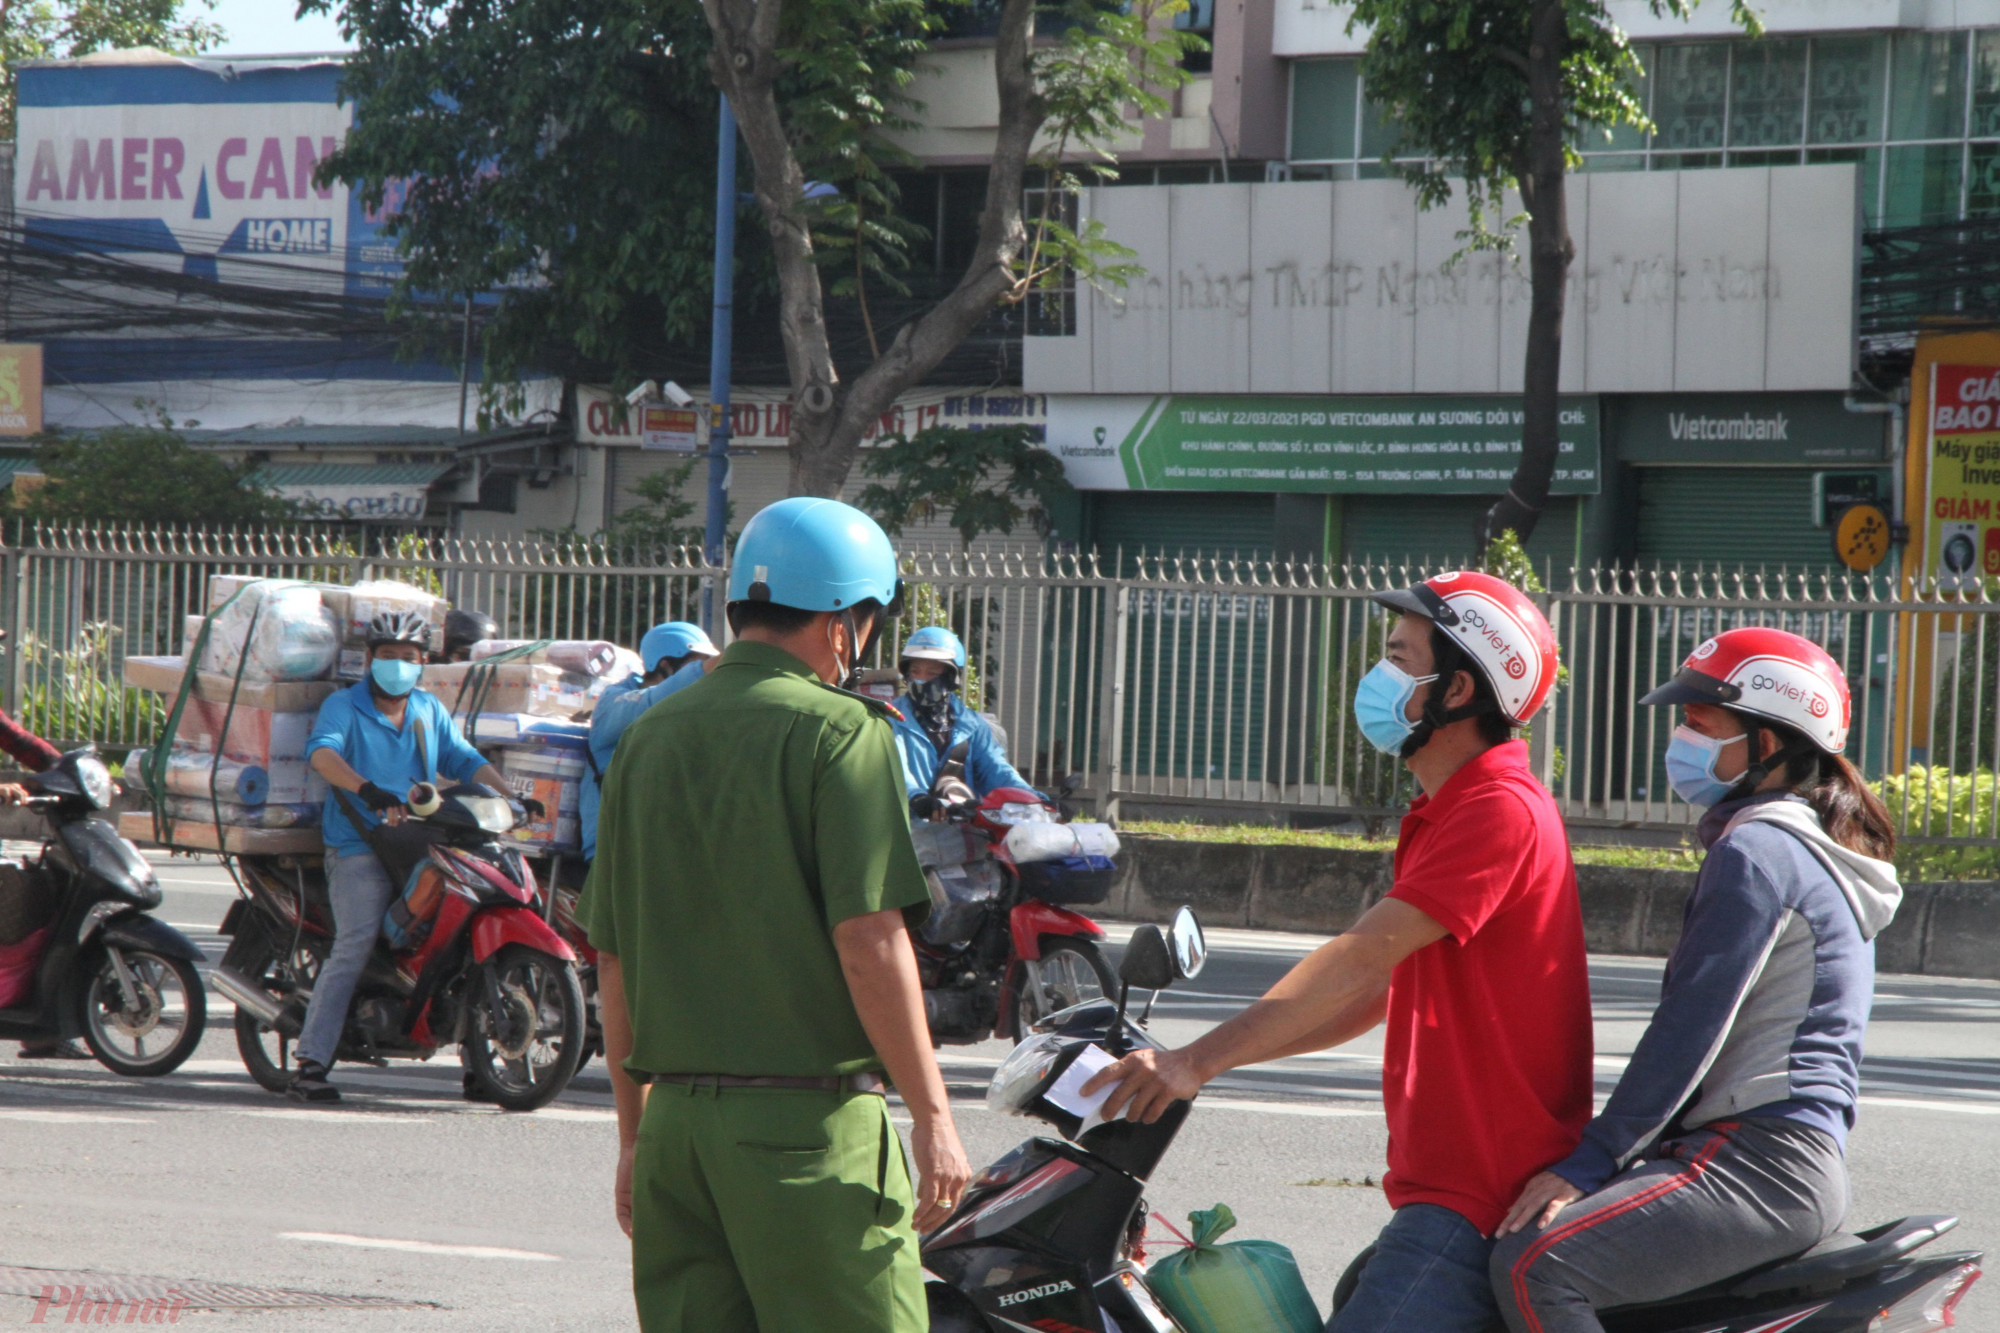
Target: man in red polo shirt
(1475, 958)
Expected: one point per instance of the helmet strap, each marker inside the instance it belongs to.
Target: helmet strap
(1760, 769)
(1435, 715)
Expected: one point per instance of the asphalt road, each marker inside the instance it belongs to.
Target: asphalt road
(482, 1220)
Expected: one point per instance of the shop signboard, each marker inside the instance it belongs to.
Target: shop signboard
(1444, 445)
(1962, 496)
(669, 428)
(1746, 429)
(20, 389)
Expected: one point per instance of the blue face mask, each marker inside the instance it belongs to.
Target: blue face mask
(1380, 704)
(395, 677)
(1691, 760)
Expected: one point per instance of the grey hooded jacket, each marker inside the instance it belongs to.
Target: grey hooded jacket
(1766, 997)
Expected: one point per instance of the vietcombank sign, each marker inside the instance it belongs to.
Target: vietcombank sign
(1437, 445)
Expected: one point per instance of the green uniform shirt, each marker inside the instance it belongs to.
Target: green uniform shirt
(744, 818)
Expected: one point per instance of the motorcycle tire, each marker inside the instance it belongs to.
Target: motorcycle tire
(1069, 962)
(108, 1026)
(558, 1019)
(270, 1075)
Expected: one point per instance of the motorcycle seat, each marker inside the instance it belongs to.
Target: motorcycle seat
(1839, 1259)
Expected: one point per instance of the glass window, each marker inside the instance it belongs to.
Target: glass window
(1982, 182)
(1986, 84)
(1767, 94)
(1614, 162)
(1625, 138)
(1691, 95)
(1922, 185)
(1379, 134)
(1869, 178)
(1845, 102)
(1927, 86)
(1323, 96)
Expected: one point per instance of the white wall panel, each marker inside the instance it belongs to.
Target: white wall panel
(1457, 306)
(1810, 326)
(1724, 279)
(1291, 267)
(1211, 288)
(1374, 287)
(1130, 327)
(1626, 267)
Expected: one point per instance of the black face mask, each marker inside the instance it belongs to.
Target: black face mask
(932, 701)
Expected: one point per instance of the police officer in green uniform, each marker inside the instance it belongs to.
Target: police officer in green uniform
(749, 903)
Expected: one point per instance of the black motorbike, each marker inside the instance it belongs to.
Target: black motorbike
(124, 981)
(1047, 1237)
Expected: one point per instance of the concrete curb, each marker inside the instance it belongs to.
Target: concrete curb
(1947, 929)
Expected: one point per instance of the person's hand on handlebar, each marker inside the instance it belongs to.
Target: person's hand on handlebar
(390, 804)
(13, 793)
(533, 808)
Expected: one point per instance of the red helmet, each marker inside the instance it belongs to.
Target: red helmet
(1504, 634)
(1767, 673)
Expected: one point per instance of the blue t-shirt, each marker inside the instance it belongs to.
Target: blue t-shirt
(619, 707)
(350, 725)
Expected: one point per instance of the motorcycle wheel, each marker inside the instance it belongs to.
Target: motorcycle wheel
(266, 1052)
(162, 1031)
(1073, 972)
(525, 1054)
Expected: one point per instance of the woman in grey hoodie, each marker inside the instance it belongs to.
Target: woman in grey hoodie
(1722, 1147)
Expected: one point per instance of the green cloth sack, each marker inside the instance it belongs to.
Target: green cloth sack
(1244, 1286)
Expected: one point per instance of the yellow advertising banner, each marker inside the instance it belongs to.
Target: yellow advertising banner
(20, 389)
(1962, 504)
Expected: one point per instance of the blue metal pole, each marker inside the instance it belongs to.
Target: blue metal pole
(718, 351)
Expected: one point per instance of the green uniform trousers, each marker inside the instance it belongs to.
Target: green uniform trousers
(772, 1210)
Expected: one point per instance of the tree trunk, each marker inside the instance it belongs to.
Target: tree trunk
(1549, 253)
(829, 416)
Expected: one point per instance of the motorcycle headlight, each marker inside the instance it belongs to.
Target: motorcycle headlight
(1023, 1074)
(96, 781)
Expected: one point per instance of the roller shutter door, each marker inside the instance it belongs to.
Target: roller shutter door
(1438, 530)
(1735, 516)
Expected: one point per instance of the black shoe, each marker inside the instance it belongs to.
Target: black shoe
(53, 1050)
(309, 1084)
(474, 1090)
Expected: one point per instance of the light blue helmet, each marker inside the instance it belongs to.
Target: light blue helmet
(935, 643)
(816, 555)
(676, 638)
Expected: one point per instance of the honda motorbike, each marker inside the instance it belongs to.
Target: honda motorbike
(86, 959)
(475, 965)
(1051, 1235)
(1002, 948)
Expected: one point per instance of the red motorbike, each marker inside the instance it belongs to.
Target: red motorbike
(466, 958)
(1002, 948)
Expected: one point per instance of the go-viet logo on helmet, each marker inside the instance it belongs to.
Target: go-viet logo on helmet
(1772, 680)
(1707, 649)
(1488, 622)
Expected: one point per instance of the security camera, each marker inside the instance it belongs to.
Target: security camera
(645, 391)
(676, 395)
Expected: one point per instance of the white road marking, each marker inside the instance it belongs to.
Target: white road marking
(1915, 1104)
(416, 1246)
(1286, 1108)
(308, 1115)
(72, 1118)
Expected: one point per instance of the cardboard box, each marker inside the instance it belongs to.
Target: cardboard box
(255, 736)
(162, 675)
(138, 826)
(514, 687)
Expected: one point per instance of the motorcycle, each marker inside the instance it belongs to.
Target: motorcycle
(96, 965)
(1001, 949)
(485, 972)
(1051, 1235)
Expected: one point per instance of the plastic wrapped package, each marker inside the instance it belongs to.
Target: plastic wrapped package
(199, 809)
(946, 844)
(203, 836)
(960, 895)
(273, 630)
(1054, 842)
(588, 657)
(189, 773)
(243, 732)
(371, 598)
(1238, 1286)
(533, 688)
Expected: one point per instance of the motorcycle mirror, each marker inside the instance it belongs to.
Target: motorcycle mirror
(1189, 945)
(1147, 964)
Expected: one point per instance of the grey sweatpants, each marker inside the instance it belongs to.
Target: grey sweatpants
(1726, 1198)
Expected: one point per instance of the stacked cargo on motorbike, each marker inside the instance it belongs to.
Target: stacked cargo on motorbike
(1070, 864)
(964, 880)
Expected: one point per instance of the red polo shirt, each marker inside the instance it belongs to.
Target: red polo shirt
(1486, 1078)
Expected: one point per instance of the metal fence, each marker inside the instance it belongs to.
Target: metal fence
(1165, 680)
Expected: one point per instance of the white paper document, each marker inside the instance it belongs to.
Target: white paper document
(1067, 1092)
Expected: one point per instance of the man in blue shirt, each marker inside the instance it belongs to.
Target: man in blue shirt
(375, 740)
(675, 656)
(934, 719)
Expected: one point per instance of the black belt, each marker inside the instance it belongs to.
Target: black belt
(874, 1083)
